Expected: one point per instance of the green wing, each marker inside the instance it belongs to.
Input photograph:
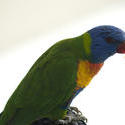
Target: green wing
(46, 87)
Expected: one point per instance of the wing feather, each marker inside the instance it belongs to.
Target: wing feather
(47, 85)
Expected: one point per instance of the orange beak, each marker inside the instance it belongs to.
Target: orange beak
(121, 48)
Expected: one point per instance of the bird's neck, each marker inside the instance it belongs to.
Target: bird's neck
(86, 71)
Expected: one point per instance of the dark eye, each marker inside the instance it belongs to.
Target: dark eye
(110, 40)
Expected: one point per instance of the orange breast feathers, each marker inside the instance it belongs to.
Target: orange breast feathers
(85, 72)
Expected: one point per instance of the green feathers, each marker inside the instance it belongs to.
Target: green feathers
(46, 87)
(87, 43)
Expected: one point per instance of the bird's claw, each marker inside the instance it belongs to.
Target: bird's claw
(74, 117)
(78, 114)
(75, 110)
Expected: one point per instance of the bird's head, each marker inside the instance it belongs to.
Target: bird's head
(104, 41)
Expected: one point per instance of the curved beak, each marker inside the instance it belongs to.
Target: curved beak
(121, 48)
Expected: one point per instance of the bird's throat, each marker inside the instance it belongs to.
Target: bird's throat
(86, 71)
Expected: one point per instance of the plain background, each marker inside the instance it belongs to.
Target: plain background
(29, 27)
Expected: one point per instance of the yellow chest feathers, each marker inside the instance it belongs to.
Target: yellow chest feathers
(85, 72)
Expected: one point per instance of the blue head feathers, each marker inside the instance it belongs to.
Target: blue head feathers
(105, 41)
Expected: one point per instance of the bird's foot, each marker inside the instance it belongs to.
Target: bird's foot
(73, 117)
(77, 114)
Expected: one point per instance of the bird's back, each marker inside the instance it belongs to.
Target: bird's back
(23, 101)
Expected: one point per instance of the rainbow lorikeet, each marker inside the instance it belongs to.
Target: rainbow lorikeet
(60, 74)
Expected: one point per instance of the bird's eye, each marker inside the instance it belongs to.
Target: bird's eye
(110, 40)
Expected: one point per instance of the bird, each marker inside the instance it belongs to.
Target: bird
(60, 74)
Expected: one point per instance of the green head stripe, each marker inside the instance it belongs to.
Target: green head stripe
(87, 43)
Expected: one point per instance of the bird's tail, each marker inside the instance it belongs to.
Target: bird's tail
(18, 117)
(5, 118)
(2, 122)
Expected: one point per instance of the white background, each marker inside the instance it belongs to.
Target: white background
(29, 27)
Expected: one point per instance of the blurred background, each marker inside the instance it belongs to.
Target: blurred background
(29, 27)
